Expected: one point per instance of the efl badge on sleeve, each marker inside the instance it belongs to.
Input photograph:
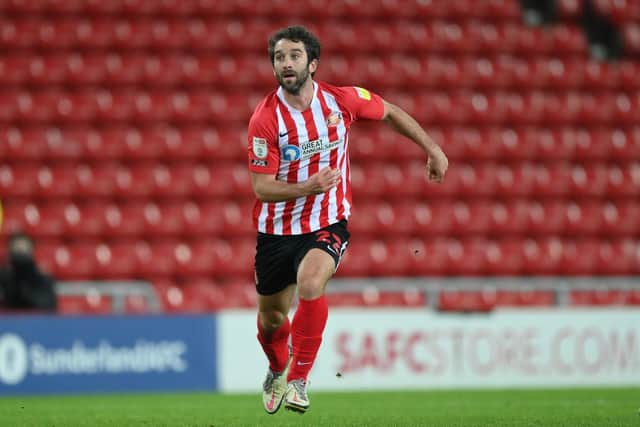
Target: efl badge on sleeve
(363, 93)
(260, 147)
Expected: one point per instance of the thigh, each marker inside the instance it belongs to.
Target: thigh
(332, 240)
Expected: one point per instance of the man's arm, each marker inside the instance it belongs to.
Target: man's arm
(268, 189)
(406, 125)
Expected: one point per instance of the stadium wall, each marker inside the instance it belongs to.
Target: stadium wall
(421, 349)
(363, 349)
(55, 355)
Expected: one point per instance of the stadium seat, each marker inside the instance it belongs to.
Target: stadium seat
(196, 258)
(155, 258)
(18, 180)
(542, 256)
(504, 257)
(618, 257)
(115, 261)
(74, 262)
(619, 218)
(19, 144)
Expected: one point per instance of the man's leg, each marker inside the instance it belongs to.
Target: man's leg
(274, 327)
(314, 271)
(273, 335)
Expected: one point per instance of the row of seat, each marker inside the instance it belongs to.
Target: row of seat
(208, 106)
(201, 296)
(368, 142)
(107, 220)
(396, 257)
(620, 11)
(197, 33)
(481, 256)
(371, 179)
(230, 71)
(358, 9)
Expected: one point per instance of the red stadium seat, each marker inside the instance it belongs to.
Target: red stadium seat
(466, 257)
(203, 219)
(164, 220)
(18, 144)
(509, 218)
(546, 218)
(18, 180)
(504, 257)
(389, 258)
(618, 257)
(115, 261)
(579, 257)
(126, 220)
(356, 260)
(58, 181)
(196, 259)
(155, 258)
(542, 256)
(619, 218)
(75, 262)
(582, 218)
(432, 218)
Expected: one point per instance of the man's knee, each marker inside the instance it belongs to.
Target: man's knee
(310, 286)
(271, 320)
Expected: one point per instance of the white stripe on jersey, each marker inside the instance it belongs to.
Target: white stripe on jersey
(303, 172)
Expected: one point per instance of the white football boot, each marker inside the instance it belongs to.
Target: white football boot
(296, 398)
(274, 388)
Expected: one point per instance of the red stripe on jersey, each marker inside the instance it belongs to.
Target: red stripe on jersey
(348, 174)
(271, 212)
(314, 166)
(292, 174)
(324, 205)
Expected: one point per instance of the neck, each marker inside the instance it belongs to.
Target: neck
(302, 100)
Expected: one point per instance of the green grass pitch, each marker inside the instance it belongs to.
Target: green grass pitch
(570, 408)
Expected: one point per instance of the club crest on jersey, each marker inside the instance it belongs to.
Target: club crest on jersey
(334, 118)
(291, 153)
(260, 147)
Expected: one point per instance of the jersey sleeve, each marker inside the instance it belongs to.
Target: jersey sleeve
(362, 103)
(262, 148)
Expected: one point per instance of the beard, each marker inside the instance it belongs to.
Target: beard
(294, 86)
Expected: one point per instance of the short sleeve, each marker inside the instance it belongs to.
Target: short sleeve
(362, 103)
(262, 148)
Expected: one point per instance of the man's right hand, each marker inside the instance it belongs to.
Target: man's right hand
(323, 180)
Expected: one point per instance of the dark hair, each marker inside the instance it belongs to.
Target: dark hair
(296, 33)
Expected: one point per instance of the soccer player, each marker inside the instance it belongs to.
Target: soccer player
(298, 158)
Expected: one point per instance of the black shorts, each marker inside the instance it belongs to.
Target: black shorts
(278, 257)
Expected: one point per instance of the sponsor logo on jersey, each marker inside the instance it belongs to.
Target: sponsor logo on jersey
(334, 119)
(291, 153)
(260, 147)
(307, 149)
(363, 93)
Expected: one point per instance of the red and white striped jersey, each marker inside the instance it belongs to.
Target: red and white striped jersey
(293, 145)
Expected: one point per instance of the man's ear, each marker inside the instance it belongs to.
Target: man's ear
(313, 66)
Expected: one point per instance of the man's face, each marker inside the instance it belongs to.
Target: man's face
(21, 247)
(291, 65)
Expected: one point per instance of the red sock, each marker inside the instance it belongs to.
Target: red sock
(306, 335)
(275, 345)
